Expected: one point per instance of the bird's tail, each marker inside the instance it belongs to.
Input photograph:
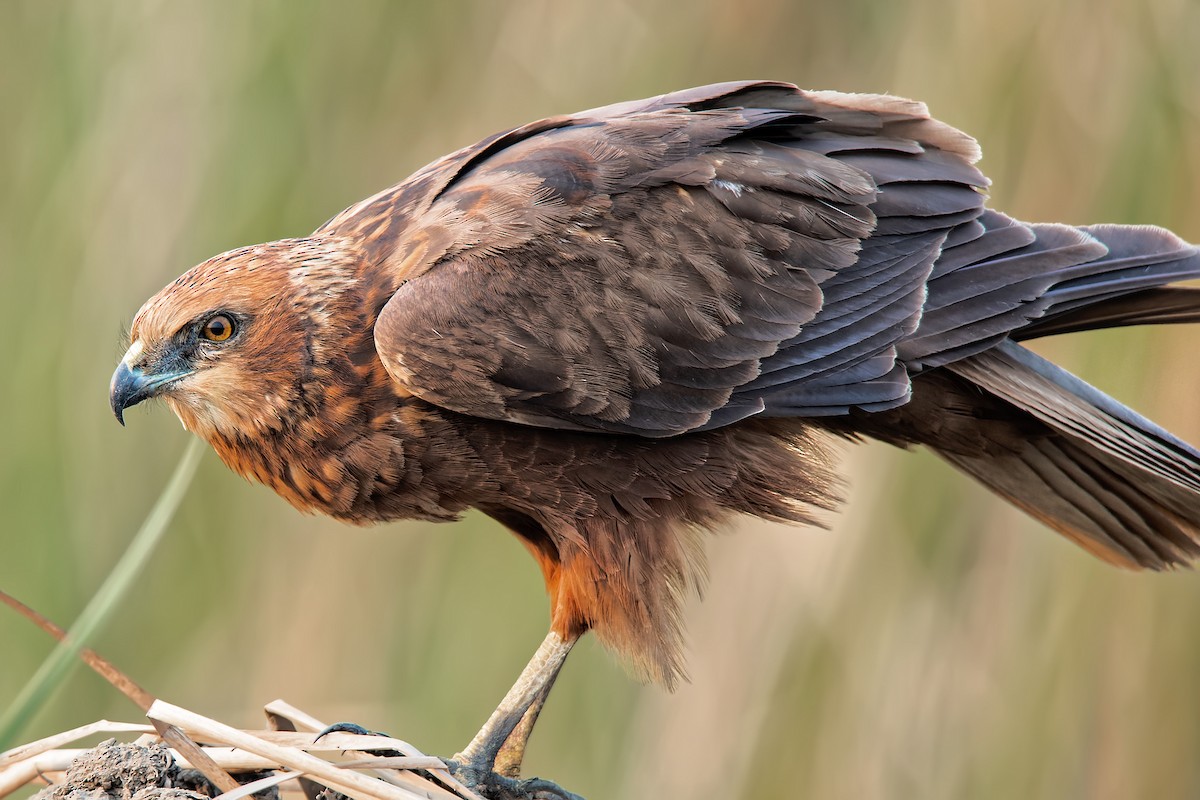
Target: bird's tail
(1087, 466)
(1081, 462)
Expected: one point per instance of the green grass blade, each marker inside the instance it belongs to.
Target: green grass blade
(56, 666)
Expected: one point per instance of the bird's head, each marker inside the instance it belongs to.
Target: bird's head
(231, 344)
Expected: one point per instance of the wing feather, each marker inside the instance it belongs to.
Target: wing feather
(677, 263)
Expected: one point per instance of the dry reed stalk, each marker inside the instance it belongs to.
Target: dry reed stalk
(291, 755)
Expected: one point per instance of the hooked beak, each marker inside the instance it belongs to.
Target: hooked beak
(131, 383)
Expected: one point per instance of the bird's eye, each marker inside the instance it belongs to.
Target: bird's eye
(217, 328)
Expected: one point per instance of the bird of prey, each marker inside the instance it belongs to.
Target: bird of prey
(612, 330)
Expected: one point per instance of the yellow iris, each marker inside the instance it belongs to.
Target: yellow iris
(218, 328)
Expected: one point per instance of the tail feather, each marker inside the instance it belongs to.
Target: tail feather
(1107, 478)
(1076, 492)
(1071, 406)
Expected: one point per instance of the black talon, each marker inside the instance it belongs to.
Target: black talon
(352, 727)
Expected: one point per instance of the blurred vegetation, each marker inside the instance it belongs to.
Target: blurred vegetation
(934, 644)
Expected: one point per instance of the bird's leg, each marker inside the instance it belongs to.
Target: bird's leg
(509, 727)
(499, 746)
(512, 752)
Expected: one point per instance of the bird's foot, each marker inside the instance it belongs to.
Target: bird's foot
(481, 779)
(493, 786)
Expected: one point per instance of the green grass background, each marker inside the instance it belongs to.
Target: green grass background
(932, 644)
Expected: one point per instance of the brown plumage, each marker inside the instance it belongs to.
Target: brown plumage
(613, 330)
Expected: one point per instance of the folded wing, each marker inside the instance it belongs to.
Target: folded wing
(681, 263)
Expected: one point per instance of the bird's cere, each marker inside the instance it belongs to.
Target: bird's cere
(134, 381)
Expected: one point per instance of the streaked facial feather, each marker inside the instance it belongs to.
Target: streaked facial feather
(284, 294)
